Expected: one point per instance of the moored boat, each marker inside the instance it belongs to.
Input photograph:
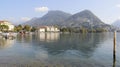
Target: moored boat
(8, 35)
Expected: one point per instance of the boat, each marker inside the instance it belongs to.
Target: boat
(8, 35)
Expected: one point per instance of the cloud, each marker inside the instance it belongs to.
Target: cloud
(41, 9)
(25, 18)
(118, 17)
(11, 18)
(118, 5)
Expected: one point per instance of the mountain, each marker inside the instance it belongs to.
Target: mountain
(116, 23)
(82, 19)
(85, 18)
(31, 22)
(51, 18)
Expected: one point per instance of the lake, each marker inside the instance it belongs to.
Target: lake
(60, 50)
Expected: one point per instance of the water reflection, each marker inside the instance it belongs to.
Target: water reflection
(79, 44)
(49, 37)
(41, 55)
(83, 50)
(114, 59)
(6, 43)
(26, 38)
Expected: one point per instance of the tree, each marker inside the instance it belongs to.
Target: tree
(4, 28)
(27, 28)
(18, 28)
(64, 30)
(1, 27)
(33, 29)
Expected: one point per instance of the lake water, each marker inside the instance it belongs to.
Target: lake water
(60, 50)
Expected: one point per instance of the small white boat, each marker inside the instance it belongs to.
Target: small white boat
(8, 35)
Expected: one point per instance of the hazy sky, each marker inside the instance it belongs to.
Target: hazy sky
(18, 11)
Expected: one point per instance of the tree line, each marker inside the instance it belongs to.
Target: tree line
(27, 28)
(18, 28)
(83, 30)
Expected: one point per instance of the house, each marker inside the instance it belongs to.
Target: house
(42, 29)
(48, 29)
(11, 26)
(52, 29)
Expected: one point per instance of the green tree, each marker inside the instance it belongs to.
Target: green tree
(19, 28)
(27, 28)
(33, 29)
(1, 27)
(4, 28)
(64, 30)
(101, 30)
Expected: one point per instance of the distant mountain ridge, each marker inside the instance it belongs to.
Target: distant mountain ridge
(84, 19)
(51, 18)
(116, 23)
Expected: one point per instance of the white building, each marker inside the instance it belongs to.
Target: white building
(52, 29)
(48, 29)
(11, 26)
(41, 29)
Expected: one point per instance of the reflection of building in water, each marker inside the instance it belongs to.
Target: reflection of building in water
(52, 36)
(42, 36)
(6, 43)
(27, 38)
(49, 36)
(48, 29)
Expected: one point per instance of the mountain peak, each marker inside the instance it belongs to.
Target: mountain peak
(56, 12)
(84, 18)
(54, 17)
(86, 11)
(116, 23)
(51, 11)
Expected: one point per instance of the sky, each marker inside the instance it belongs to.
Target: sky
(19, 11)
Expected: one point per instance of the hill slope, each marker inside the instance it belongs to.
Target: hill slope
(85, 18)
(51, 18)
(82, 19)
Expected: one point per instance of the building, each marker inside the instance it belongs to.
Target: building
(42, 29)
(48, 29)
(11, 26)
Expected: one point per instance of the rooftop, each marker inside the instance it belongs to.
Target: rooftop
(5, 21)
